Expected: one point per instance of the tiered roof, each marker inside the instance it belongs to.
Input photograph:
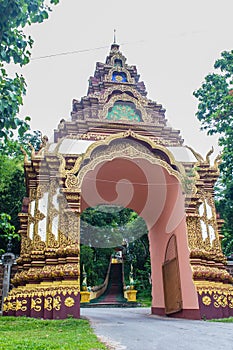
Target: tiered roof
(117, 100)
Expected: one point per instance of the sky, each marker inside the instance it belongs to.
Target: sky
(174, 45)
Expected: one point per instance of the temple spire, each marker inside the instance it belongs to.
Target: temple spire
(114, 45)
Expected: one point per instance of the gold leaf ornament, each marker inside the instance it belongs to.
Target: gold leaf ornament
(206, 300)
(69, 302)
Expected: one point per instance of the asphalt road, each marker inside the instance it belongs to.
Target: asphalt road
(136, 329)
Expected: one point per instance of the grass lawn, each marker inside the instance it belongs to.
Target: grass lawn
(144, 298)
(230, 320)
(144, 301)
(24, 333)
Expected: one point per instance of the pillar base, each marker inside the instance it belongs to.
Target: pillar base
(85, 297)
(215, 299)
(53, 301)
(190, 314)
(131, 295)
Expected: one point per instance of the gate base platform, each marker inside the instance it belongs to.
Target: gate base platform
(54, 300)
(215, 301)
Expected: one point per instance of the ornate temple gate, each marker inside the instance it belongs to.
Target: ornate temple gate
(118, 150)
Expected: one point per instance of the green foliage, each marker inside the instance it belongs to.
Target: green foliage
(103, 216)
(122, 223)
(138, 255)
(15, 48)
(15, 15)
(106, 226)
(215, 112)
(7, 231)
(215, 97)
(12, 188)
(12, 90)
(224, 206)
(12, 191)
(36, 334)
(96, 261)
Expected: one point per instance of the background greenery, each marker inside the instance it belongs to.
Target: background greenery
(215, 112)
(126, 224)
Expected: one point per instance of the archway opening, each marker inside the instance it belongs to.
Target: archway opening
(155, 193)
(113, 234)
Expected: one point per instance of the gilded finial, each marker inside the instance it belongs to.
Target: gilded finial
(26, 160)
(208, 155)
(43, 145)
(218, 161)
(33, 152)
(198, 157)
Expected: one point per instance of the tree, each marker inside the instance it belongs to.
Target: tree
(215, 112)
(224, 205)
(113, 224)
(105, 226)
(7, 232)
(15, 48)
(12, 187)
(101, 227)
(12, 191)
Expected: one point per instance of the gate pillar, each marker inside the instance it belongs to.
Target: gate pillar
(212, 281)
(47, 284)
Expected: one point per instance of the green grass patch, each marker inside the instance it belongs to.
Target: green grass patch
(229, 320)
(22, 333)
(144, 298)
(144, 301)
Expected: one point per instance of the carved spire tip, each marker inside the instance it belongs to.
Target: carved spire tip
(114, 45)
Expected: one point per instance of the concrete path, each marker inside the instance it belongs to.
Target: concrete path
(136, 329)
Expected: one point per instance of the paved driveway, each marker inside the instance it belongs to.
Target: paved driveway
(136, 329)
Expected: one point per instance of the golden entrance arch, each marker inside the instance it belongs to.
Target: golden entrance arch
(117, 149)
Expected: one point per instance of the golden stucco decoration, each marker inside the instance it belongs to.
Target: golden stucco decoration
(206, 300)
(69, 302)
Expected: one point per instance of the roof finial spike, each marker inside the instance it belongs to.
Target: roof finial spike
(114, 37)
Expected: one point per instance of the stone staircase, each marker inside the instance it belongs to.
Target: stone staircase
(114, 291)
(114, 295)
